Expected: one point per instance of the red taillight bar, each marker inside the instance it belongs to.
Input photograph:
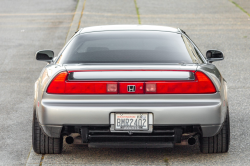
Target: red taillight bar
(57, 85)
(91, 88)
(202, 84)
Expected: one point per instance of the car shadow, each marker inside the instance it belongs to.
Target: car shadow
(79, 154)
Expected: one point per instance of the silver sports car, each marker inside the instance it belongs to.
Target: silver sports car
(130, 86)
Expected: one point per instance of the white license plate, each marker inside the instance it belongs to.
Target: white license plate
(132, 121)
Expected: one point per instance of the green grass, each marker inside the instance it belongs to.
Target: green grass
(137, 11)
(166, 161)
(237, 5)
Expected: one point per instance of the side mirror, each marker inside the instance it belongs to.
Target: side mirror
(45, 55)
(214, 55)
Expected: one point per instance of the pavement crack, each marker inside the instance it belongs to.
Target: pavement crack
(72, 20)
(75, 25)
(137, 11)
(79, 23)
(238, 6)
(41, 162)
(28, 156)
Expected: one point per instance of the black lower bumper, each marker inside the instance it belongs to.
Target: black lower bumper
(131, 145)
(102, 137)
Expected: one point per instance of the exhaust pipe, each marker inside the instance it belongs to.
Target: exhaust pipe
(69, 140)
(188, 141)
(191, 141)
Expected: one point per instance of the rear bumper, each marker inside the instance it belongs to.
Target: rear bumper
(207, 111)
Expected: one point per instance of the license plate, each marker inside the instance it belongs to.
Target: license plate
(132, 121)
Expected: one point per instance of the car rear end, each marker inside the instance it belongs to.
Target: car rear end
(148, 107)
(131, 89)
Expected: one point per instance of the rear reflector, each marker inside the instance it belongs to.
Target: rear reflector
(150, 87)
(112, 88)
(61, 85)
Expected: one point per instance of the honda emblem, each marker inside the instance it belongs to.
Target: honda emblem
(131, 88)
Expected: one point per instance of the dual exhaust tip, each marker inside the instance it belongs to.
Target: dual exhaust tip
(190, 141)
(69, 140)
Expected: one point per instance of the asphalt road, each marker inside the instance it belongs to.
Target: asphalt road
(27, 26)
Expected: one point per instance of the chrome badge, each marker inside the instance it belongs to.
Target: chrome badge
(131, 88)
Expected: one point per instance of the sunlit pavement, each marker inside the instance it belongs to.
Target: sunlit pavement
(26, 27)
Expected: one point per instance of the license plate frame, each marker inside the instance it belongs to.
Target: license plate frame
(132, 128)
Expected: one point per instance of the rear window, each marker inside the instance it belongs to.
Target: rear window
(128, 47)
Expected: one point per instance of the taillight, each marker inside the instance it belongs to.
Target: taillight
(204, 83)
(201, 84)
(90, 88)
(57, 85)
(60, 85)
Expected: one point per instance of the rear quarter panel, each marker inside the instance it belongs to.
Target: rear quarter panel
(214, 74)
(48, 73)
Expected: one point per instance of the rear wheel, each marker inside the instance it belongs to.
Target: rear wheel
(43, 144)
(218, 143)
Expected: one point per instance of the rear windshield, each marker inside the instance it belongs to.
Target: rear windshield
(128, 47)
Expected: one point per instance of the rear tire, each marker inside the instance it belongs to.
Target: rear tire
(218, 143)
(43, 144)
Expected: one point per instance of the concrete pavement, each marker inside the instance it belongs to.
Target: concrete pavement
(106, 12)
(26, 27)
(211, 24)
